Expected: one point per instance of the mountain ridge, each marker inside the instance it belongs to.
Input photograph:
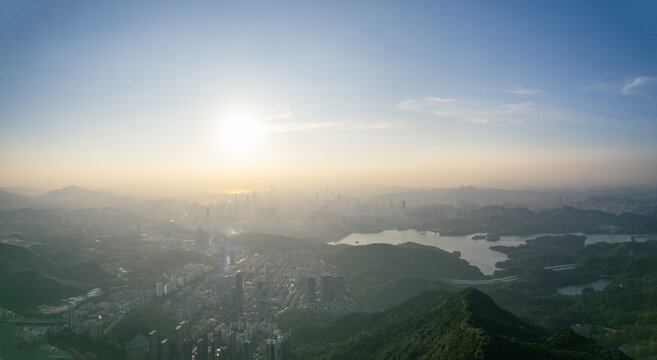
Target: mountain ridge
(440, 325)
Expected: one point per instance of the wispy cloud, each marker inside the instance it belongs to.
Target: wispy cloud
(641, 86)
(601, 87)
(294, 120)
(470, 111)
(521, 91)
(303, 126)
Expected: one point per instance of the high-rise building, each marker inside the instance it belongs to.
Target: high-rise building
(152, 344)
(159, 289)
(271, 350)
(247, 350)
(268, 278)
(261, 289)
(217, 339)
(238, 290)
(72, 319)
(284, 347)
(232, 346)
(185, 329)
(178, 340)
(326, 287)
(202, 348)
(188, 346)
(164, 349)
(95, 329)
(172, 284)
(310, 290)
(338, 286)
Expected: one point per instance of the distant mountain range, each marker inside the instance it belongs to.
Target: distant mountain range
(416, 197)
(500, 220)
(643, 198)
(70, 197)
(78, 197)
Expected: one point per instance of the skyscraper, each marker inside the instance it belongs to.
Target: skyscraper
(247, 350)
(164, 349)
(310, 290)
(238, 290)
(178, 339)
(188, 346)
(72, 319)
(326, 287)
(338, 286)
(185, 330)
(232, 346)
(271, 350)
(202, 348)
(152, 344)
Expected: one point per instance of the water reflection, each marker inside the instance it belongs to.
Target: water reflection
(476, 252)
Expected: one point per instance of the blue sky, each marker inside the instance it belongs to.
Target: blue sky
(89, 90)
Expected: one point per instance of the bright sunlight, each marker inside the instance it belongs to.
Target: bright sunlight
(241, 133)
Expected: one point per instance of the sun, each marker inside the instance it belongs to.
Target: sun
(241, 133)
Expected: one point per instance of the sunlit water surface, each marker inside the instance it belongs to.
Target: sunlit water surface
(476, 252)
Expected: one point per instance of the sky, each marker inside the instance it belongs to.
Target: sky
(211, 95)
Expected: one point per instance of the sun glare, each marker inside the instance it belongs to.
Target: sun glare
(241, 133)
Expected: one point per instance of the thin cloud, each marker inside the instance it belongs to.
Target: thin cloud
(639, 85)
(600, 87)
(515, 108)
(521, 91)
(420, 104)
(294, 120)
(290, 127)
(293, 127)
(469, 111)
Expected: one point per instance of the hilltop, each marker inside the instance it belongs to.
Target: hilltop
(441, 325)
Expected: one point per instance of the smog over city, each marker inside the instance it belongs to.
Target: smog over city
(293, 180)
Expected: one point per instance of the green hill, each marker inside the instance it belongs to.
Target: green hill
(395, 291)
(28, 280)
(22, 291)
(440, 325)
(387, 262)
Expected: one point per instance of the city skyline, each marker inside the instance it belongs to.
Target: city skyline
(218, 95)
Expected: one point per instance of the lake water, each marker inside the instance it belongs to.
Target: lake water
(598, 285)
(476, 252)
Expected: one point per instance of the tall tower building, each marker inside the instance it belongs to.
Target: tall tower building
(326, 287)
(164, 349)
(310, 290)
(271, 350)
(159, 289)
(239, 295)
(72, 319)
(152, 344)
(232, 346)
(188, 346)
(338, 286)
(247, 350)
(202, 348)
(178, 339)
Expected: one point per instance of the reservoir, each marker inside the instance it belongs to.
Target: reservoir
(476, 252)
